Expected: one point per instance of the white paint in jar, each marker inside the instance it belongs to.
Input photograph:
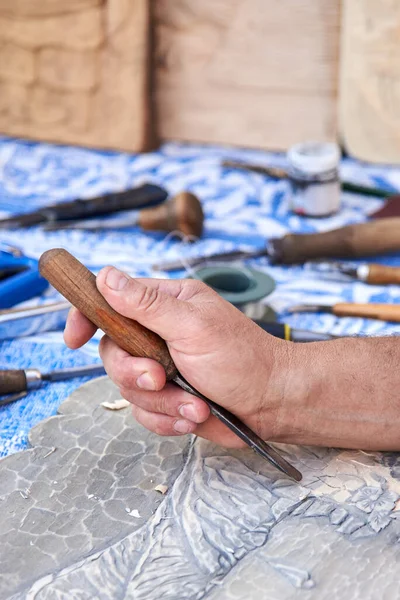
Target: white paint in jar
(314, 178)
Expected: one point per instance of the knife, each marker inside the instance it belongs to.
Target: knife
(352, 241)
(143, 196)
(373, 274)
(78, 285)
(381, 312)
(20, 381)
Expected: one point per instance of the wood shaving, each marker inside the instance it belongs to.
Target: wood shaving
(117, 405)
(161, 488)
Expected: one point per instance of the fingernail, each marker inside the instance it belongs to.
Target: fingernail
(116, 280)
(146, 382)
(189, 412)
(182, 426)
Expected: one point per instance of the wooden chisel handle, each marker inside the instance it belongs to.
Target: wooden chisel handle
(12, 381)
(78, 285)
(382, 312)
(364, 239)
(381, 275)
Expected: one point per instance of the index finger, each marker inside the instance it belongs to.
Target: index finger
(78, 329)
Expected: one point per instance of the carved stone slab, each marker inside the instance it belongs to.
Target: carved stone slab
(76, 72)
(80, 516)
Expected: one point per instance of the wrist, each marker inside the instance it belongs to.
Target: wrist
(285, 392)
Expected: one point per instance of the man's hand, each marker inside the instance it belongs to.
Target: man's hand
(215, 347)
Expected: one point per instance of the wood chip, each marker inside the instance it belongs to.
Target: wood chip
(161, 488)
(117, 405)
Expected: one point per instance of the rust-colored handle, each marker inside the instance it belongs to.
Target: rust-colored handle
(363, 239)
(382, 312)
(12, 381)
(182, 213)
(381, 275)
(78, 285)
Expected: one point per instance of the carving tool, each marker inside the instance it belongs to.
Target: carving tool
(352, 241)
(381, 312)
(78, 285)
(32, 320)
(181, 213)
(19, 382)
(20, 279)
(373, 274)
(278, 173)
(145, 195)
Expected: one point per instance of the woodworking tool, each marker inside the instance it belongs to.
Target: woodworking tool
(19, 278)
(381, 312)
(78, 285)
(373, 274)
(183, 213)
(144, 196)
(18, 382)
(32, 320)
(279, 173)
(352, 241)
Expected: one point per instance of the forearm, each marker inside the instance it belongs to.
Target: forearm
(344, 393)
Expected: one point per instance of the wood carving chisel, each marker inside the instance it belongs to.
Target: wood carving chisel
(21, 381)
(78, 285)
(381, 312)
(352, 241)
(373, 274)
(135, 198)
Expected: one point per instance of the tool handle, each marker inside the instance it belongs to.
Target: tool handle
(381, 275)
(382, 312)
(352, 241)
(182, 213)
(78, 285)
(12, 381)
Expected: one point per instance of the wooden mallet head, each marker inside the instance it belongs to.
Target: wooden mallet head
(182, 213)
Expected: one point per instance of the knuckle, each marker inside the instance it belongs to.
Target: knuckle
(147, 298)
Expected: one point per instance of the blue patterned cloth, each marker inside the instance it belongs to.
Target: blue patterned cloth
(242, 209)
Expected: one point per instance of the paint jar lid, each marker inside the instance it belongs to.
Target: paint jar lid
(314, 158)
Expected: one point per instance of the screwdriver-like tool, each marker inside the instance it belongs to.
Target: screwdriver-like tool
(352, 241)
(373, 274)
(19, 382)
(78, 285)
(381, 312)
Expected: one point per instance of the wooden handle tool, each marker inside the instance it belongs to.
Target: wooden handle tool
(382, 312)
(78, 285)
(182, 213)
(353, 241)
(382, 275)
(13, 381)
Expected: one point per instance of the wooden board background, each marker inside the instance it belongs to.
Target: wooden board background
(76, 71)
(258, 73)
(370, 80)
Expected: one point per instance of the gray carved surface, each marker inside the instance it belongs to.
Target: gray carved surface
(80, 517)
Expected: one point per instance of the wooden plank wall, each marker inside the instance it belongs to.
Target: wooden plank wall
(259, 73)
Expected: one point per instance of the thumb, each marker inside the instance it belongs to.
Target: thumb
(144, 301)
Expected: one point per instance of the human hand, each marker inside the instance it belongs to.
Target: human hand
(221, 352)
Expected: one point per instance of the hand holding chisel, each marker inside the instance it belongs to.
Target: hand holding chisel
(78, 285)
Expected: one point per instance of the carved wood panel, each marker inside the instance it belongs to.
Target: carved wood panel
(76, 72)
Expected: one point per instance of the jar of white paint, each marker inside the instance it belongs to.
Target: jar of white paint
(314, 178)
